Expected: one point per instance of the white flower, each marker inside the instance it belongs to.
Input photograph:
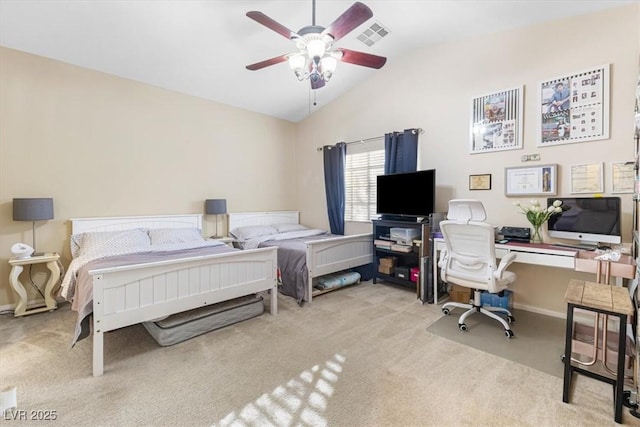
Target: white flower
(538, 215)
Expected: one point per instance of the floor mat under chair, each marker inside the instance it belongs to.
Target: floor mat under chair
(538, 341)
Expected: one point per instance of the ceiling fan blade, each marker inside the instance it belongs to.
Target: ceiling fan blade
(263, 19)
(361, 58)
(317, 84)
(348, 21)
(267, 62)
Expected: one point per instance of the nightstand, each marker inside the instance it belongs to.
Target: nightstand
(17, 265)
(226, 240)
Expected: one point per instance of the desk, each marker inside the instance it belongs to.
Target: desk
(17, 265)
(527, 253)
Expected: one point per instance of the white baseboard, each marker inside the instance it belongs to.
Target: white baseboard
(540, 310)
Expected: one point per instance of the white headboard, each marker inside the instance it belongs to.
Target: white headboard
(84, 225)
(241, 219)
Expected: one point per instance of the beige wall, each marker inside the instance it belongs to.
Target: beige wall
(432, 89)
(100, 145)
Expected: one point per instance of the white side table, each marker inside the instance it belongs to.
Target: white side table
(17, 265)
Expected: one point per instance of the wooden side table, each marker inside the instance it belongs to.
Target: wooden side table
(17, 265)
(603, 299)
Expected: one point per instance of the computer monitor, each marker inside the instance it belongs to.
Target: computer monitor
(589, 220)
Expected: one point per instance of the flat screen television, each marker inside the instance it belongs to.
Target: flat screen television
(589, 220)
(406, 196)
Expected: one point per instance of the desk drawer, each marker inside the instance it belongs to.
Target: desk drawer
(544, 259)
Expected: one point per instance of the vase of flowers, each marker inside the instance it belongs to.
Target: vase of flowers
(538, 215)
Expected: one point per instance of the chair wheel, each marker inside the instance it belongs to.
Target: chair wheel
(562, 358)
(626, 400)
(446, 311)
(462, 327)
(508, 333)
(511, 319)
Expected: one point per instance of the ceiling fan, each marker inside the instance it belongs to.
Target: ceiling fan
(316, 58)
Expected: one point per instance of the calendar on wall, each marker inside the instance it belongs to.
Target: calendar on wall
(574, 108)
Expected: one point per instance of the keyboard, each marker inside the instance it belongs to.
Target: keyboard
(577, 247)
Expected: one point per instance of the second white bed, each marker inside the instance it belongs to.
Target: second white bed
(322, 255)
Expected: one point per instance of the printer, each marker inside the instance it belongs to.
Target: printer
(404, 236)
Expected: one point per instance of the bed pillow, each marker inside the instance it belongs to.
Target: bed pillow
(95, 244)
(161, 236)
(252, 231)
(285, 228)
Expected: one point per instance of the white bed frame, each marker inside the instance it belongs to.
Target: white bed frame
(323, 256)
(132, 294)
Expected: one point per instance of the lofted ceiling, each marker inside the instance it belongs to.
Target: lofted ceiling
(201, 48)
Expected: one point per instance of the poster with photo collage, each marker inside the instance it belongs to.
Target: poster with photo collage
(574, 108)
(496, 121)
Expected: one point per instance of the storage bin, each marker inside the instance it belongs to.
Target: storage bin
(385, 269)
(388, 261)
(414, 273)
(460, 294)
(495, 300)
(402, 273)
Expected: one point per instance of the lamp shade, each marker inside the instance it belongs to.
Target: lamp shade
(32, 209)
(215, 206)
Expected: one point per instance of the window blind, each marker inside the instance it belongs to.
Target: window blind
(364, 163)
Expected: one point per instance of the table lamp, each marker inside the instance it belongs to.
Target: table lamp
(33, 209)
(215, 207)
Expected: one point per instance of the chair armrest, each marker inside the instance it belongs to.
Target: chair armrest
(504, 263)
(442, 258)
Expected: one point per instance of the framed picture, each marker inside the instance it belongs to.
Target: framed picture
(587, 178)
(574, 107)
(496, 121)
(480, 182)
(622, 177)
(531, 181)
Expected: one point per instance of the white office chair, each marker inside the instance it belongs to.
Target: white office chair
(469, 260)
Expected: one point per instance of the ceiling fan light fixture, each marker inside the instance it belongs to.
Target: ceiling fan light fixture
(328, 65)
(315, 49)
(297, 62)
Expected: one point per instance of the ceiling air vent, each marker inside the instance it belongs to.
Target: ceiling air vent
(373, 34)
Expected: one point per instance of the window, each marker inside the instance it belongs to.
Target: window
(363, 164)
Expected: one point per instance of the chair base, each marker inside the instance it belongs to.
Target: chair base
(476, 307)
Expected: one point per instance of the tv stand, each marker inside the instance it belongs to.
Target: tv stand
(419, 257)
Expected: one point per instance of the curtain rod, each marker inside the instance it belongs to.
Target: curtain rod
(375, 138)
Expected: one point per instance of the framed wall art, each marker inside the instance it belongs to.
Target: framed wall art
(623, 177)
(531, 180)
(480, 182)
(496, 121)
(574, 107)
(587, 178)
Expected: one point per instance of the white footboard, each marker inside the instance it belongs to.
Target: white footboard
(336, 254)
(127, 295)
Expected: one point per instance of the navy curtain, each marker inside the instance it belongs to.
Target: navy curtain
(334, 164)
(401, 151)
